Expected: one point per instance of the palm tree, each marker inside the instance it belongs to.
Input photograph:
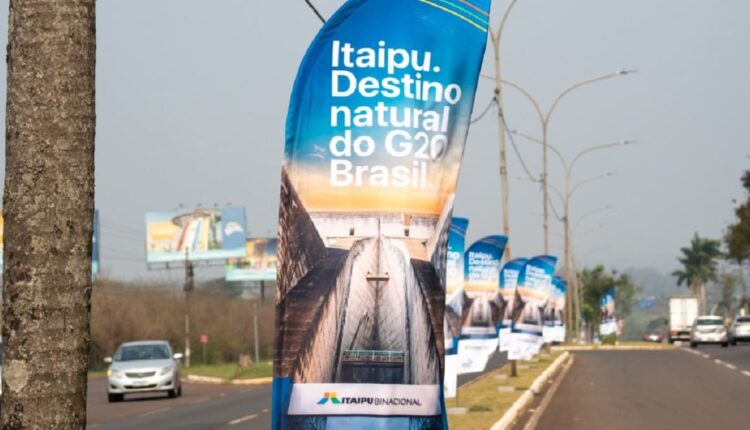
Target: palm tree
(48, 208)
(698, 266)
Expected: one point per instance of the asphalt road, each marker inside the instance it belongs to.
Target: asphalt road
(707, 388)
(202, 407)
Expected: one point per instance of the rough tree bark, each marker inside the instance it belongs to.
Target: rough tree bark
(48, 208)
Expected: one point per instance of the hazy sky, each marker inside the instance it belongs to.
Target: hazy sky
(192, 97)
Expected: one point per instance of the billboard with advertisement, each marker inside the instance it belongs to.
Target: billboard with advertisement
(258, 264)
(375, 136)
(195, 234)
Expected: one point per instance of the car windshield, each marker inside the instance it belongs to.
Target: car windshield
(142, 352)
(711, 321)
(743, 319)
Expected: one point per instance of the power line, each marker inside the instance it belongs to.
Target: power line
(314, 9)
(484, 112)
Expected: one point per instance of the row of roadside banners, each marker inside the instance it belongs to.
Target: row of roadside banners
(515, 308)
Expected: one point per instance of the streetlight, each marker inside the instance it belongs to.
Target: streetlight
(565, 199)
(544, 119)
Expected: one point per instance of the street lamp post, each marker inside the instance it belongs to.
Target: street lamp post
(572, 302)
(544, 120)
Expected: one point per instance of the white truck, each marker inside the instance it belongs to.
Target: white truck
(683, 310)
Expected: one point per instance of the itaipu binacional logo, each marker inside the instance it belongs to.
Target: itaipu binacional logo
(329, 396)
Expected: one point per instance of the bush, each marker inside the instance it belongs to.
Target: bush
(122, 312)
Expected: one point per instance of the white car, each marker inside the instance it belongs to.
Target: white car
(143, 367)
(708, 329)
(739, 331)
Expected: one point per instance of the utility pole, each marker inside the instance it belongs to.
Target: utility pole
(188, 288)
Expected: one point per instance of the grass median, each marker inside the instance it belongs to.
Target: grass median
(486, 401)
(230, 371)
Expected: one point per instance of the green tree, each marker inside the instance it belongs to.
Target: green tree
(48, 205)
(728, 285)
(597, 281)
(737, 237)
(699, 263)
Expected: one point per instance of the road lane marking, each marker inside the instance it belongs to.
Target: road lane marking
(243, 419)
(746, 373)
(154, 412)
(717, 361)
(265, 411)
(704, 355)
(730, 366)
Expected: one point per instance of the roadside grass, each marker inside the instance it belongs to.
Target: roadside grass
(485, 403)
(230, 371)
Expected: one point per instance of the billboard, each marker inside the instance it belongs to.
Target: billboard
(195, 234)
(529, 306)
(258, 264)
(607, 317)
(375, 135)
(509, 279)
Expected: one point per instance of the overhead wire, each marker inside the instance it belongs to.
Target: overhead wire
(315, 10)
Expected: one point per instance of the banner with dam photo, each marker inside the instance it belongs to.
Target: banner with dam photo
(454, 285)
(375, 134)
(530, 302)
(509, 278)
(607, 316)
(554, 313)
(481, 310)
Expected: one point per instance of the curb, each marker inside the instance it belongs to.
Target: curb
(519, 405)
(212, 380)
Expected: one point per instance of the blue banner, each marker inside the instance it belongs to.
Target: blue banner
(375, 135)
(529, 306)
(454, 286)
(607, 316)
(510, 276)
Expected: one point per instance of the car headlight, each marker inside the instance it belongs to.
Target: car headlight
(166, 370)
(115, 373)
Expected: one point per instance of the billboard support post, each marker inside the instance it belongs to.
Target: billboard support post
(255, 330)
(189, 285)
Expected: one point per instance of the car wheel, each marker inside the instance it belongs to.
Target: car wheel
(725, 344)
(693, 345)
(733, 342)
(172, 394)
(113, 398)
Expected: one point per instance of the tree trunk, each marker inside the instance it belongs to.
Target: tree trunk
(48, 208)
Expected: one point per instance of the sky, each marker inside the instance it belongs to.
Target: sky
(192, 98)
